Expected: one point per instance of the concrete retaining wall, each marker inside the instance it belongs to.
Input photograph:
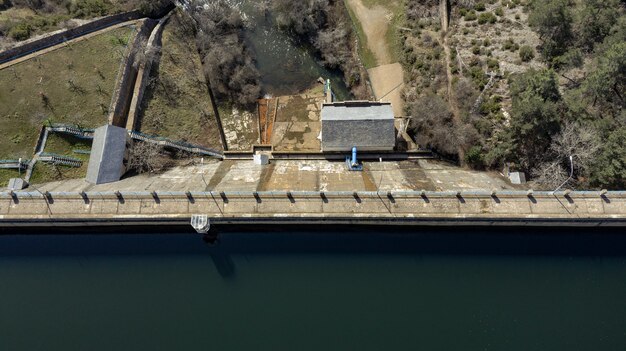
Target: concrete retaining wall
(125, 83)
(510, 208)
(69, 34)
(143, 74)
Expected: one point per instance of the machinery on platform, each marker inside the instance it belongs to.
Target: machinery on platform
(353, 162)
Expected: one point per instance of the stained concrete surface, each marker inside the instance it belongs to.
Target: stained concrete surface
(297, 126)
(310, 175)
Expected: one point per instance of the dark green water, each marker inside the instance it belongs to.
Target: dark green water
(436, 290)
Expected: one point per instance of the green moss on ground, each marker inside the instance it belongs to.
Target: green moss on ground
(72, 85)
(62, 145)
(6, 174)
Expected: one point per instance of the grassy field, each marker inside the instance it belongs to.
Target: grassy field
(177, 103)
(67, 146)
(69, 85)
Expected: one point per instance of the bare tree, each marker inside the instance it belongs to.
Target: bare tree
(145, 157)
(580, 143)
(549, 175)
(228, 64)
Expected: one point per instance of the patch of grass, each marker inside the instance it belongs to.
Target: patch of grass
(177, 103)
(72, 85)
(6, 175)
(62, 145)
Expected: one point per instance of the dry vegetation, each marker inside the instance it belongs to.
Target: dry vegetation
(23, 19)
(69, 85)
(177, 103)
(325, 25)
(510, 80)
(228, 63)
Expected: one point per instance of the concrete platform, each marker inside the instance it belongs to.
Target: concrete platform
(301, 175)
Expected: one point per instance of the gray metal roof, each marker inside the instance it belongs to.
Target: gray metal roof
(356, 110)
(106, 163)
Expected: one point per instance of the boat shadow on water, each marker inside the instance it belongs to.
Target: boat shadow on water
(339, 240)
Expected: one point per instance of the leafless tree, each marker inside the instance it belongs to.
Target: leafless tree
(581, 143)
(228, 64)
(432, 125)
(549, 175)
(145, 157)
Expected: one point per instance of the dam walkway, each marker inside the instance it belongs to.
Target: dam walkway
(509, 208)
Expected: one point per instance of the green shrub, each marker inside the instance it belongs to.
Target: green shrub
(479, 6)
(499, 12)
(475, 158)
(471, 16)
(22, 31)
(487, 17)
(90, 8)
(493, 64)
(526, 53)
(510, 45)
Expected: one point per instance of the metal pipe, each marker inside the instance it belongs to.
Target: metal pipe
(354, 161)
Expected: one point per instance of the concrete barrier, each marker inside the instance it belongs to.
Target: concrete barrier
(125, 82)
(143, 74)
(407, 208)
(58, 38)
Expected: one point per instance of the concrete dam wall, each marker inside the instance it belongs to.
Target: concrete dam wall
(403, 208)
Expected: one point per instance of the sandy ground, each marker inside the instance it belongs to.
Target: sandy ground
(374, 22)
(386, 79)
(387, 83)
(311, 175)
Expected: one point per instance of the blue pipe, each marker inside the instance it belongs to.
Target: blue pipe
(354, 162)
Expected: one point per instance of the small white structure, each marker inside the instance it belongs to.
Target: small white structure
(368, 125)
(17, 184)
(517, 177)
(201, 223)
(261, 159)
(106, 163)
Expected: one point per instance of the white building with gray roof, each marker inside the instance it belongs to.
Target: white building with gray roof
(365, 124)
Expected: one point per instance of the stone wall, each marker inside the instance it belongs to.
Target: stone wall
(416, 208)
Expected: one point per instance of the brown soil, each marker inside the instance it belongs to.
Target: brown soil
(387, 83)
(375, 24)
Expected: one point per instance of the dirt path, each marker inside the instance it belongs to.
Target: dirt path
(387, 83)
(375, 23)
(387, 78)
(452, 101)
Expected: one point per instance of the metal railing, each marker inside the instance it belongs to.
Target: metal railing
(321, 194)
